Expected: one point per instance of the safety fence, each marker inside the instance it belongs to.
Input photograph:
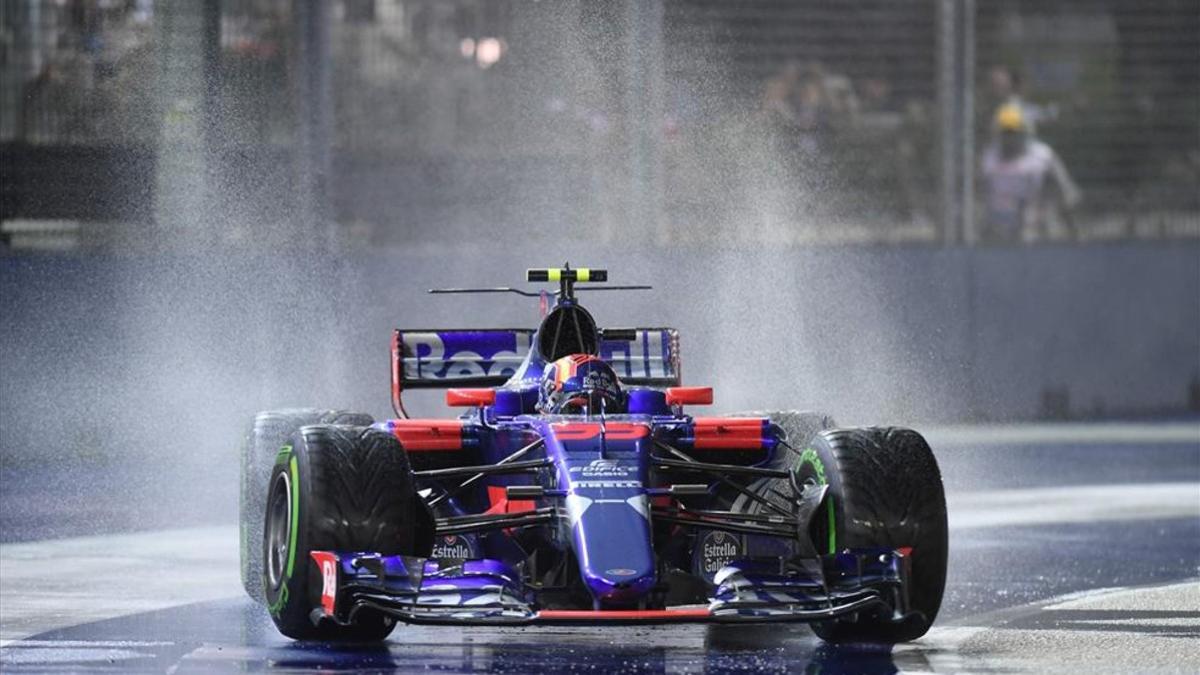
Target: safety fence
(771, 121)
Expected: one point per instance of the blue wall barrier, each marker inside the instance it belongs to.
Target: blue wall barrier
(123, 354)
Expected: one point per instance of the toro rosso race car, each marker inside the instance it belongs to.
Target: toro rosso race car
(578, 486)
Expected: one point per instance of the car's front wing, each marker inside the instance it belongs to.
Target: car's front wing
(419, 590)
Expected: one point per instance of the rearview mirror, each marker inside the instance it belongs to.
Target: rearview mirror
(470, 398)
(689, 396)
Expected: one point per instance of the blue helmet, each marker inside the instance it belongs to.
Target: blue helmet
(578, 382)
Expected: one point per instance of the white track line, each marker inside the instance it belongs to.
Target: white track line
(1075, 504)
(1065, 432)
(1106, 630)
(64, 582)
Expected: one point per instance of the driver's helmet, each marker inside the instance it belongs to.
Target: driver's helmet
(578, 382)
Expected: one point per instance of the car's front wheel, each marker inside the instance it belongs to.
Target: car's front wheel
(339, 488)
(270, 432)
(885, 491)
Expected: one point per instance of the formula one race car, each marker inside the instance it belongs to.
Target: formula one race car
(575, 488)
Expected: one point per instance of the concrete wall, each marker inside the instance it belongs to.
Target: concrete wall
(136, 355)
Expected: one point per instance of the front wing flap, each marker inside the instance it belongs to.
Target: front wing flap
(420, 590)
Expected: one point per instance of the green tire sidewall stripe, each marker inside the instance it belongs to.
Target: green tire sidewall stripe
(293, 515)
(286, 456)
(810, 456)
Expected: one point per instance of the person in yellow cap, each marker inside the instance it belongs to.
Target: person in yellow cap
(1026, 184)
(1010, 117)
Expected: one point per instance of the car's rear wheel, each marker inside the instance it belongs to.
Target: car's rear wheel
(333, 488)
(271, 431)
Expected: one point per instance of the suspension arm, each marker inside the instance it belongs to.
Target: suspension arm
(484, 469)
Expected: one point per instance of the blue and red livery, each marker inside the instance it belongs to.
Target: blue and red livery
(621, 512)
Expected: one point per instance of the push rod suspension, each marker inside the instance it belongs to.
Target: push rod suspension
(484, 469)
(505, 521)
(725, 480)
(454, 492)
(734, 515)
(704, 467)
(725, 525)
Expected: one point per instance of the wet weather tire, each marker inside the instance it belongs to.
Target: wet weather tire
(271, 431)
(341, 488)
(885, 490)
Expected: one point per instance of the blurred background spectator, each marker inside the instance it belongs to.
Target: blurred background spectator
(1028, 190)
(1004, 88)
(759, 122)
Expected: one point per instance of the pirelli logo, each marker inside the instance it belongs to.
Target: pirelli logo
(606, 484)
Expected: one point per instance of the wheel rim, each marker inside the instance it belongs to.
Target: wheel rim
(821, 529)
(279, 519)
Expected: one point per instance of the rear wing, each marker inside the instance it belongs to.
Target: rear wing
(431, 359)
(642, 357)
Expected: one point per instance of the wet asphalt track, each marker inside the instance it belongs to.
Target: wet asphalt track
(1004, 609)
